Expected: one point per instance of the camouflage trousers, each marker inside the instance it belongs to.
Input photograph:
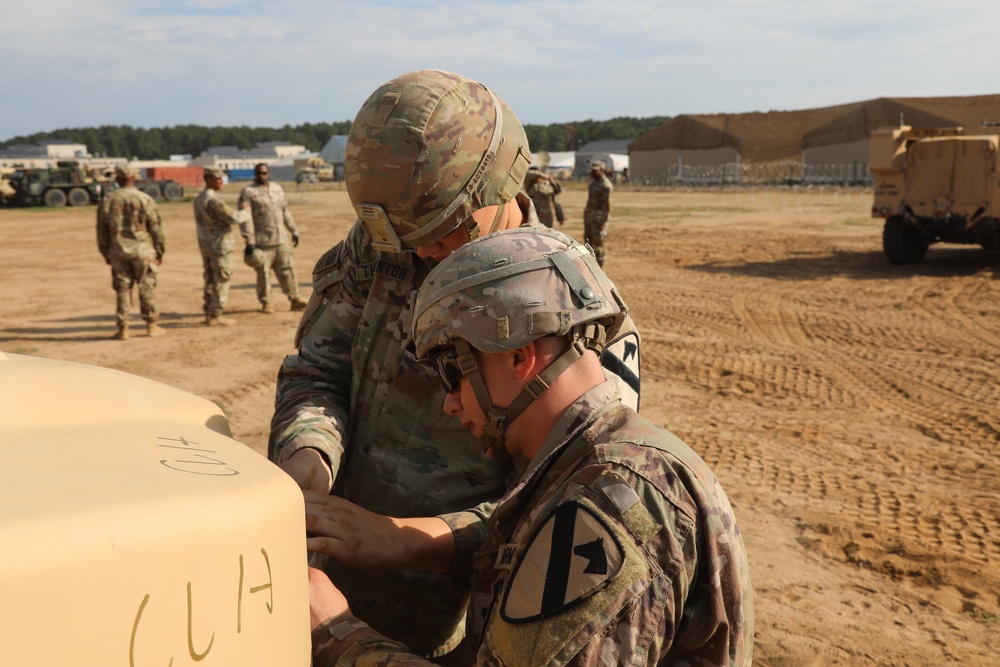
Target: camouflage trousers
(126, 272)
(218, 271)
(595, 236)
(278, 258)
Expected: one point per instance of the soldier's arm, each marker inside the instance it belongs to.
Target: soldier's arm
(103, 234)
(156, 229)
(312, 400)
(288, 219)
(224, 216)
(340, 638)
(368, 541)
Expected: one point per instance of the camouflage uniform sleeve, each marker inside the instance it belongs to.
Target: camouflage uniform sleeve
(247, 228)
(103, 233)
(155, 228)
(604, 202)
(287, 216)
(220, 212)
(312, 401)
(469, 530)
(347, 640)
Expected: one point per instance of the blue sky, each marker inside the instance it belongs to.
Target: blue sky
(154, 63)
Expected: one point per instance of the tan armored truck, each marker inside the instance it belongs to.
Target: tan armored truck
(136, 532)
(935, 185)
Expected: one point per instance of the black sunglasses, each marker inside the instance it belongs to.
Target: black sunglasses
(449, 370)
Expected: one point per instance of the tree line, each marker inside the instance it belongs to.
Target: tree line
(161, 142)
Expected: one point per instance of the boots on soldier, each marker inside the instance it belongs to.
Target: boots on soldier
(298, 304)
(217, 320)
(122, 332)
(153, 329)
(266, 308)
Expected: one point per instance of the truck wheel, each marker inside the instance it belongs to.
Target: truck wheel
(901, 242)
(153, 191)
(54, 197)
(172, 192)
(79, 197)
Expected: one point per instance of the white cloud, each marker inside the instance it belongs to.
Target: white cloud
(227, 62)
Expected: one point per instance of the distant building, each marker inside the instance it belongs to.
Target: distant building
(234, 158)
(613, 153)
(42, 155)
(827, 136)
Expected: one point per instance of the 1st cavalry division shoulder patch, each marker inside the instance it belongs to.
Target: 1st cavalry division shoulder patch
(572, 556)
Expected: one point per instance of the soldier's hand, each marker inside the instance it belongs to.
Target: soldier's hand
(325, 600)
(248, 250)
(309, 470)
(368, 541)
(295, 240)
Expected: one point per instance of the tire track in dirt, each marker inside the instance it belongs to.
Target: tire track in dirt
(969, 532)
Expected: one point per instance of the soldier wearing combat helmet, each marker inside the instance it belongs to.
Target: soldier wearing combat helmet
(433, 160)
(617, 540)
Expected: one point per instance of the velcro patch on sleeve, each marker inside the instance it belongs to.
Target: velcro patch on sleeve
(573, 555)
(621, 365)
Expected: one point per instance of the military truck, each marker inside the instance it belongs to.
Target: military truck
(157, 188)
(67, 183)
(136, 531)
(320, 168)
(6, 191)
(935, 185)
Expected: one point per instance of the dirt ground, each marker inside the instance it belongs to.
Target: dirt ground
(850, 408)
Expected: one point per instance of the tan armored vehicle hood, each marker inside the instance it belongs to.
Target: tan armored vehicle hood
(135, 531)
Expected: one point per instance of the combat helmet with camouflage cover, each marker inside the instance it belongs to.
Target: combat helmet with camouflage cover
(426, 150)
(503, 291)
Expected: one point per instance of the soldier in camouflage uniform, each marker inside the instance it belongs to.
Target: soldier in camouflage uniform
(214, 220)
(269, 249)
(617, 545)
(130, 238)
(433, 159)
(543, 190)
(595, 214)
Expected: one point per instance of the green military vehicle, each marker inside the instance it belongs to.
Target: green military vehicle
(935, 185)
(67, 183)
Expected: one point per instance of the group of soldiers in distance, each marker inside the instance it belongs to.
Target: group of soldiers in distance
(461, 415)
(130, 238)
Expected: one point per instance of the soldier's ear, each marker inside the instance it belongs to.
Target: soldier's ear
(524, 361)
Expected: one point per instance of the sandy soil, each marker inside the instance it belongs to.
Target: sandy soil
(850, 408)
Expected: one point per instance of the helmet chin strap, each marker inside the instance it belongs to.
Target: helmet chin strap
(498, 418)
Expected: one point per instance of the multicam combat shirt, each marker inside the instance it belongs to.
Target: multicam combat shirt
(271, 216)
(617, 546)
(376, 414)
(128, 226)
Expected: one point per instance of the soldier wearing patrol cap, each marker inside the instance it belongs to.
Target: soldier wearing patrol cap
(214, 220)
(617, 545)
(434, 159)
(597, 211)
(130, 238)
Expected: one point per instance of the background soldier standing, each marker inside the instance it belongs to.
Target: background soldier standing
(269, 249)
(214, 220)
(595, 214)
(130, 238)
(543, 190)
